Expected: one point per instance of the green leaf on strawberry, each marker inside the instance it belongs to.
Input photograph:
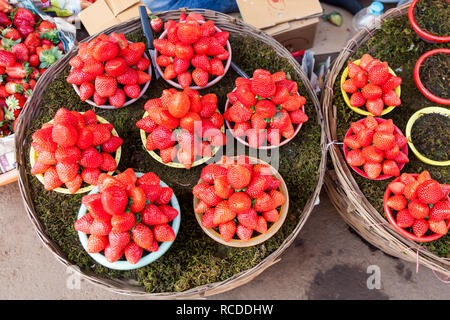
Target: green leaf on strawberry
(49, 57)
(51, 35)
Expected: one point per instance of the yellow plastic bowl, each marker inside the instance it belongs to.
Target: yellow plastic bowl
(40, 177)
(359, 110)
(409, 125)
(177, 164)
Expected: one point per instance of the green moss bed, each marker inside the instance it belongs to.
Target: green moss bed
(194, 259)
(398, 44)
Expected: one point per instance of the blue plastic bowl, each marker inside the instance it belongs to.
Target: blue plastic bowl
(146, 258)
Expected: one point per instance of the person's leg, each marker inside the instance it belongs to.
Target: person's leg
(163, 5)
(351, 5)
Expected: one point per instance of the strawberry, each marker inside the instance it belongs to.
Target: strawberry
(350, 86)
(263, 86)
(240, 128)
(281, 94)
(439, 227)
(67, 154)
(105, 86)
(77, 77)
(162, 137)
(430, 192)
(86, 90)
(383, 140)
(217, 67)
(133, 252)
(109, 163)
(264, 203)
(222, 188)
(371, 91)
(7, 58)
(372, 169)
(390, 98)
(85, 138)
(245, 95)
(372, 154)
(248, 219)
(152, 215)
(105, 50)
(271, 216)
(222, 37)
(353, 69)
(96, 244)
(76, 62)
(410, 191)
(293, 103)
(278, 198)
(397, 202)
(261, 225)
(184, 79)
(100, 132)
(227, 230)
(397, 187)
(165, 47)
(418, 209)
(404, 219)
(244, 233)
(355, 158)
(401, 158)
(123, 222)
(357, 100)
(67, 171)
(149, 178)
(90, 176)
(378, 74)
(200, 77)
(360, 79)
(64, 134)
(238, 113)
(168, 155)
(440, 211)
(239, 202)
(391, 84)
(201, 61)
(39, 168)
(156, 23)
(179, 104)
(146, 124)
(142, 236)
(392, 153)
(223, 213)
(163, 61)
(163, 233)
(114, 200)
(100, 228)
(189, 33)
(201, 207)
(127, 178)
(420, 227)
(84, 223)
(352, 142)
(280, 120)
(423, 176)
(118, 98)
(375, 106)
(94, 205)
(238, 176)
(211, 172)
(214, 47)
(91, 158)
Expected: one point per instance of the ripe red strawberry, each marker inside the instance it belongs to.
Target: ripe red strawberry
(142, 236)
(418, 209)
(392, 153)
(86, 90)
(200, 77)
(244, 233)
(372, 169)
(391, 99)
(278, 198)
(440, 211)
(149, 178)
(211, 172)
(85, 138)
(184, 53)
(397, 202)
(280, 120)
(239, 202)
(209, 196)
(261, 225)
(133, 252)
(222, 187)
(105, 86)
(238, 176)
(227, 230)
(383, 140)
(201, 61)
(391, 168)
(404, 219)
(201, 207)
(397, 187)
(401, 158)
(165, 47)
(248, 219)
(170, 212)
(238, 113)
(96, 244)
(67, 171)
(430, 192)
(410, 191)
(439, 227)
(84, 223)
(64, 135)
(378, 74)
(100, 228)
(357, 100)
(168, 155)
(163, 61)
(223, 213)
(156, 23)
(353, 69)
(105, 50)
(91, 158)
(67, 154)
(420, 227)
(189, 33)
(100, 133)
(263, 86)
(152, 215)
(133, 52)
(184, 79)
(114, 200)
(371, 91)
(93, 67)
(39, 168)
(391, 84)
(162, 137)
(146, 124)
(271, 216)
(123, 222)
(293, 103)
(375, 106)
(217, 67)
(115, 67)
(360, 79)
(90, 176)
(214, 47)
(132, 90)
(423, 176)
(352, 142)
(350, 86)
(117, 99)
(355, 158)
(365, 137)
(109, 163)
(264, 203)
(163, 233)
(372, 154)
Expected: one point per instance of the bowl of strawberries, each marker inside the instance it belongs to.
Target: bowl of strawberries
(128, 221)
(372, 85)
(73, 150)
(418, 206)
(375, 148)
(190, 51)
(241, 201)
(182, 129)
(110, 69)
(266, 111)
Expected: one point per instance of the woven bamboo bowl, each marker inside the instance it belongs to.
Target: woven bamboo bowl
(260, 238)
(127, 102)
(342, 188)
(177, 164)
(409, 126)
(40, 177)
(34, 107)
(147, 257)
(210, 83)
(359, 110)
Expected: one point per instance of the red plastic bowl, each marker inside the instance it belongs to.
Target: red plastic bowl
(402, 231)
(422, 33)
(419, 83)
(241, 140)
(361, 172)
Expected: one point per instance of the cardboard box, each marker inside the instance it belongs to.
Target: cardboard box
(106, 13)
(293, 23)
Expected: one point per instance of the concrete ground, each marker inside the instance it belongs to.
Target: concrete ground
(327, 261)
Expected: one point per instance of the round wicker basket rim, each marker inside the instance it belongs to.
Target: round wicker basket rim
(232, 25)
(342, 188)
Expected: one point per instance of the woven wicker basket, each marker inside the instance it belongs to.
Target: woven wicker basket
(234, 26)
(344, 191)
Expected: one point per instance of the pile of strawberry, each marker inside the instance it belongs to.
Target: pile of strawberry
(74, 149)
(108, 68)
(28, 46)
(376, 147)
(371, 85)
(421, 204)
(265, 107)
(192, 51)
(238, 198)
(127, 216)
(183, 125)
